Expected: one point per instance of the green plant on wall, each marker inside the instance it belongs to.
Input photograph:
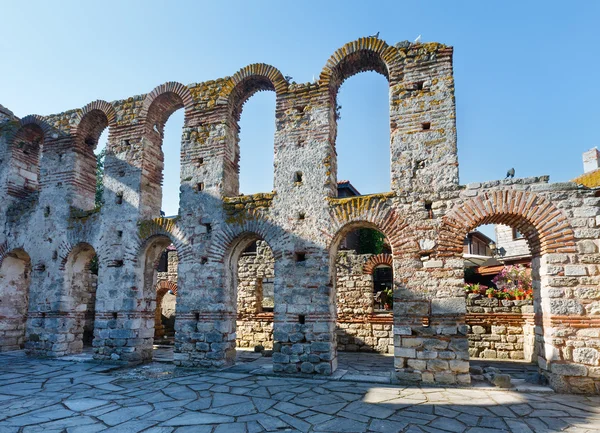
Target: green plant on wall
(100, 177)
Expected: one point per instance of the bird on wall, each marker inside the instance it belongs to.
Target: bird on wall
(418, 40)
(510, 173)
(376, 35)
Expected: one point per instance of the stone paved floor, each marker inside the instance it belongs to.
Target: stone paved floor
(66, 396)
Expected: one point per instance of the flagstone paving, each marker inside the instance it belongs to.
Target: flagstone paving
(65, 396)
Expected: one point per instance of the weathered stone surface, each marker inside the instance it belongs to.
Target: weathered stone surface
(502, 380)
(51, 229)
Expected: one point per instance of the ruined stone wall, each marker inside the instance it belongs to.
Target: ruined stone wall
(425, 216)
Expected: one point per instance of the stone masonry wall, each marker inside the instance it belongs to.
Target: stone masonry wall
(500, 328)
(425, 216)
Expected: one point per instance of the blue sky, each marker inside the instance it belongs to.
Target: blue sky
(526, 73)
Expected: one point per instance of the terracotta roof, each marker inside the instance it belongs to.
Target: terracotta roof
(591, 179)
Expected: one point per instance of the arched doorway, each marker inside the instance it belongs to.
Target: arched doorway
(549, 238)
(250, 273)
(15, 276)
(363, 281)
(500, 274)
(79, 299)
(158, 272)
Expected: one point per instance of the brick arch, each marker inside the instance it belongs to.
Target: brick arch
(67, 248)
(364, 54)
(226, 239)
(163, 286)
(92, 119)
(544, 226)
(25, 146)
(377, 260)
(6, 249)
(163, 101)
(32, 120)
(369, 211)
(149, 230)
(249, 80)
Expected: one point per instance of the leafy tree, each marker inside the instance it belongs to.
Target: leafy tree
(370, 241)
(100, 177)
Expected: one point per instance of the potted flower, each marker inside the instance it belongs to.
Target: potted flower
(490, 292)
(515, 280)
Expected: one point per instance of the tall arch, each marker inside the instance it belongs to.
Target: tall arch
(365, 54)
(25, 147)
(15, 276)
(93, 119)
(157, 107)
(236, 92)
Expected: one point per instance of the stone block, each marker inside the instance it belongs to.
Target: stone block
(405, 352)
(501, 381)
(407, 376)
(445, 377)
(459, 366)
(323, 368)
(417, 364)
(565, 307)
(448, 306)
(427, 354)
(575, 271)
(478, 329)
(307, 367)
(489, 353)
(568, 369)
(280, 358)
(586, 355)
(437, 365)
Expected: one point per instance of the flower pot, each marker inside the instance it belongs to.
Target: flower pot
(490, 296)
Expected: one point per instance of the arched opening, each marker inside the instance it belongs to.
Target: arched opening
(258, 136)
(160, 263)
(79, 300)
(250, 267)
(91, 141)
(256, 132)
(172, 163)
(363, 132)
(166, 296)
(350, 111)
(502, 286)
(25, 161)
(162, 153)
(15, 275)
(363, 281)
